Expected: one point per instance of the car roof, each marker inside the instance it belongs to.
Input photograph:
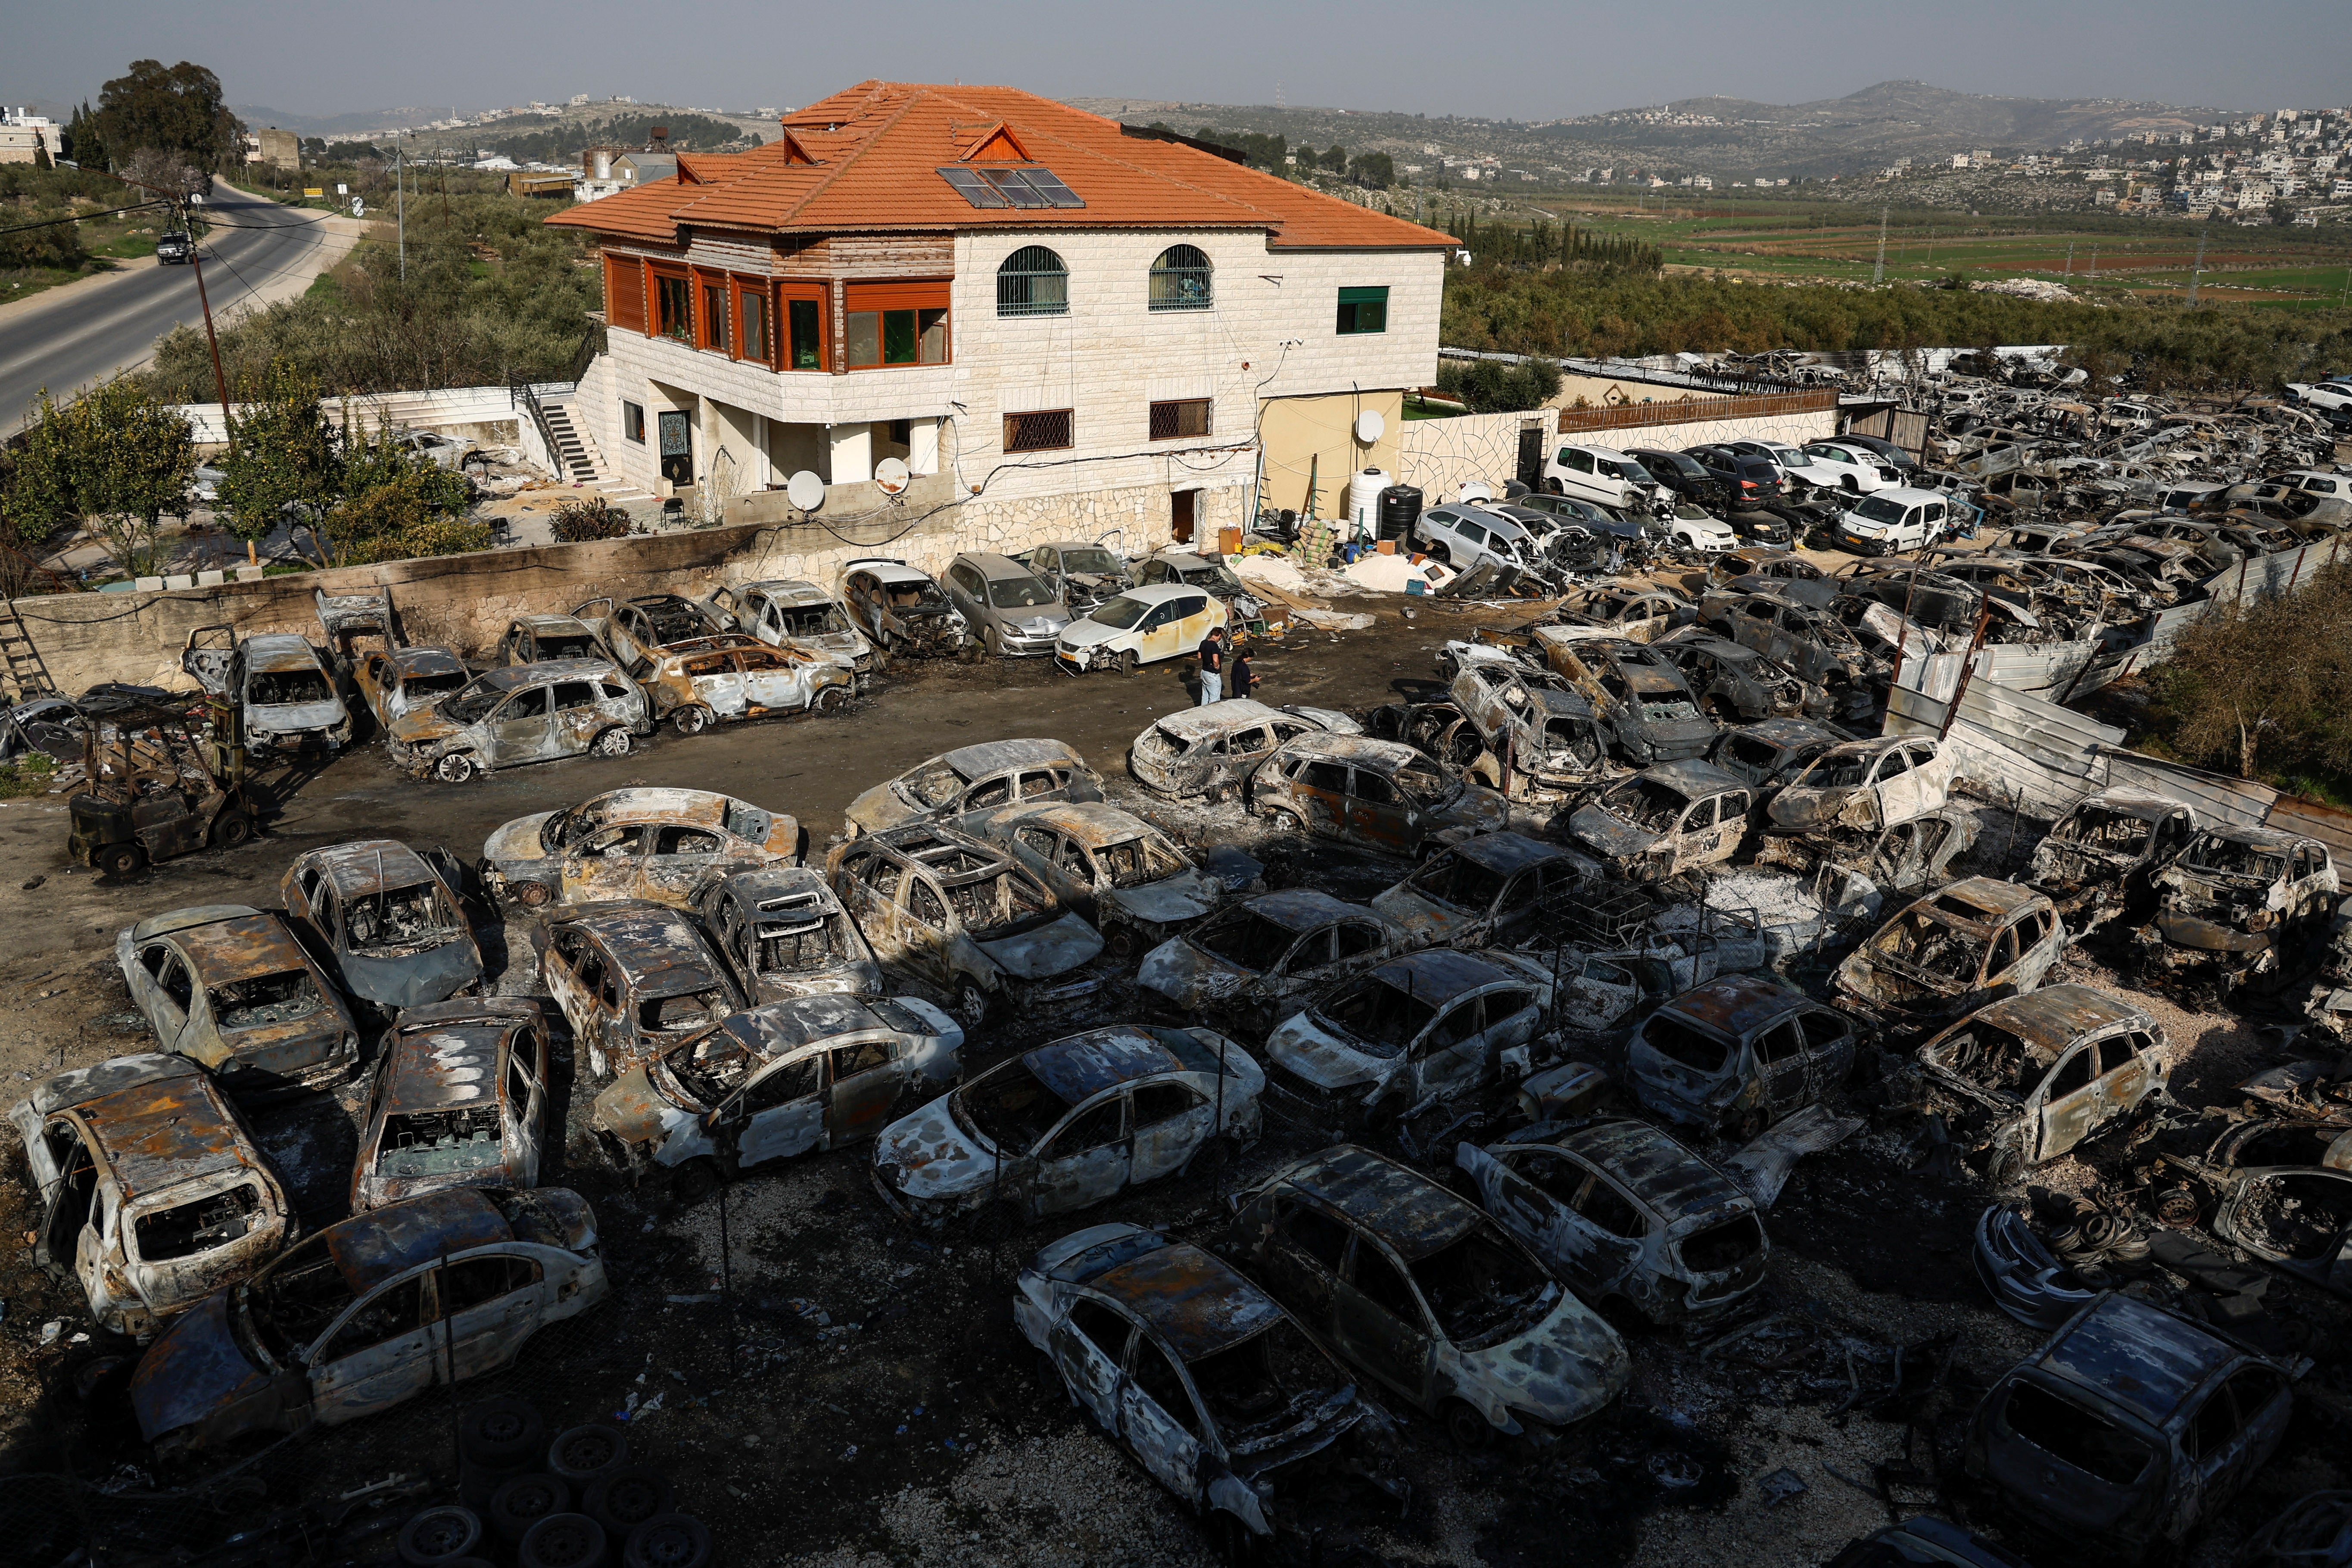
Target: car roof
(1436, 975)
(771, 884)
(1214, 717)
(1909, 495)
(887, 571)
(2138, 1356)
(1694, 778)
(1410, 1213)
(372, 1247)
(254, 943)
(554, 622)
(426, 658)
(1195, 1301)
(1736, 1005)
(1159, 594)
(442, 1067)
(650, 944)
(2145, 805)
(2055, 1017)
(1660, 1170)
(278, 650)
(1508, 852)
(158, 1130)
(1083, 1066)
(660, 803)
(780, 1028)
(368, 864)
(189, 919)
(1383, 756)
(919, 842)
(1304, 909)
(994, 756)
(1787, 733)
(1093, 823)
(515, 677)
(992, 564)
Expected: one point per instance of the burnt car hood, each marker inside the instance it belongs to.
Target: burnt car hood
(194, 1371)
(1191, 978)
(420, 726)
(1808, 810)
(435, 975)
(1613, 837)
(289, 1048)
(1052, 949)
(2210, 936)
(927, 1156)
(880, 809)
(1477, 809)
(518, 840)
(634, 1112)
(271, 717)
(1307, 1049)
(1172, 900)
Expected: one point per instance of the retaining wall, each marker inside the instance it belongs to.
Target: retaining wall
(1441, 455)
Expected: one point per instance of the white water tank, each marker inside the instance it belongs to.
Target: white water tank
(1364, 501)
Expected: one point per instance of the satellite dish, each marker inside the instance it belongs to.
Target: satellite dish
(891, 474)
(1369, 425)
(805, 490)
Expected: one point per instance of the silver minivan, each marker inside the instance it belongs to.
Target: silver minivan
(1462, 536)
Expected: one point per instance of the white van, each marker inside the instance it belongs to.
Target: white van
(1600, 474)
(1892, 520)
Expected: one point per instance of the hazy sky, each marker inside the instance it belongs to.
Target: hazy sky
(1505, 58)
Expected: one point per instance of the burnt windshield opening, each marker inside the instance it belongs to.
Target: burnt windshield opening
(2301, 1217)
(415, 916)
(1262, 1386)
(440, 1143)
(1245, 939)
(563, 646)
(1136, 862)
(1008, 1107)
(710, 1066)
(1986, 1053)
(1650, 806)
(2074, 1436)
(1678, 1041)
(689, 1010)
(1003, 905)
(286, 688)
(1722, 1246)
(212, 1221)
(1459, 883)
(1482, 1292)
(2231, 857)
(266, 999)
(2111, 831)
(804, 948)
(1383, 1019)
(417, 686)
(299, 1297)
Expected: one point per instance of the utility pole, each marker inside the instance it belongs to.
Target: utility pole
(400, 203)
(2199, 270)
(1878, 273)
(2070, 261)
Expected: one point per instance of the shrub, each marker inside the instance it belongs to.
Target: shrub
(578, 520)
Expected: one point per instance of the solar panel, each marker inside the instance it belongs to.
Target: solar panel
(972, 187)
(1016, 189)
(1049, 185)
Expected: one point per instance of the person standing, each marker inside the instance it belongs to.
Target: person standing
(1240, 680)
(1213, 669)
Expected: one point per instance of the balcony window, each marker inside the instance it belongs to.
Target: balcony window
(674, 303)
(1179, 280)
(714, 316)
(1363, 310)
(1034, 281)
(752, 310)
(806, 323)
(897, 337)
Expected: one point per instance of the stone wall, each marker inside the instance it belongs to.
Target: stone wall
(467, 600)
(1443, 455)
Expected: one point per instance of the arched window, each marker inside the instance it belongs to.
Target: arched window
(1034, 281)
(1179, 280)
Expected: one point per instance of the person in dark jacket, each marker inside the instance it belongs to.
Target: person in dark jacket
(1213, 669)
(1240, 679)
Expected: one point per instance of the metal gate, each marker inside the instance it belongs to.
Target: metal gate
(1531, 455)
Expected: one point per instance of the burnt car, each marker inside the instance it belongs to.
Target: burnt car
(783, 933)
(369, 1313)
(2131, 1425)
(1084, 575)
(394, 682)
(1540, 739)
(2238, 903)
(1378, 794)
(784, 1078)
(1638, 612)
(1067, 1125)
(2101, 859)
(729, 676)
(1650, 713)
(1108, 866)
(459, 1099)
(287, 700)
(631, 979)
(1760, 566)
(642, 629)
(785, 612)
(1211, 751)
(1200, 1375)
(961, 915)
(230, 988)
(901, 610)
(1428, 1025)
(1247, 962)
(549, 639)
(1735, 682)
(1621, 1212)
(1665, 820)
(657, 844)
(1863, 786)
(974, 778)
(387, 923)
(1771, 752)
(1811, 643)
(1490, 891)
(2279, 1190)
(1924, 1540)
(1951, 952)
(2024, 1080)
(1740, 1052)
(524, 713)
(151, 1190)
(1414, 1286)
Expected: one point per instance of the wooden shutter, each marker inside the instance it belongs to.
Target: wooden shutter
(928, 294)
(624, 293)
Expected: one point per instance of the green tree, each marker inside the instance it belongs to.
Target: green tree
(179, 110)
(114, 459)
(1374, 171)
(1336, 160)
(80, 140)
(400, 519)
(284, 453)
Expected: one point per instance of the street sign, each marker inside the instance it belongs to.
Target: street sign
(309, 191)
(359, 207)
(342, 190)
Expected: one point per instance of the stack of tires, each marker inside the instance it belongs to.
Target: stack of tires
(573, 1502)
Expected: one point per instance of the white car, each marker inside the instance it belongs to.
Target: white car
(1143, 625)
(1697, 530)
(2320, 482)
(1847, 467)
(2336, 393)
(1893, 520)
(1600, 474)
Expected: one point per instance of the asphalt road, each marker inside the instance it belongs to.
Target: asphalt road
(83, 340)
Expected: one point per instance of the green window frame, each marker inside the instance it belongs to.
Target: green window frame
(806, 323)
(1363, 310)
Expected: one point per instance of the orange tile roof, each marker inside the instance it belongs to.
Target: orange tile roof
(877, 147)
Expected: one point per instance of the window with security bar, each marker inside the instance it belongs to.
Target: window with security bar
(1179, 280)
(1176, 420)
(1034, 281)
(1044, 430)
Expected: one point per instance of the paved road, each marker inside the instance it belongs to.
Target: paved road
(85, 339)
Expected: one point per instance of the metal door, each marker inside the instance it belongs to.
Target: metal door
(607, 864)
(380, 1354)
(1526, 1197)
(1380, 1324)
(489, 1306)
(522, 730)
(1171, 1121)
(781, 1112)
(1087, 1161)
(1531, 445)
(866, 1084)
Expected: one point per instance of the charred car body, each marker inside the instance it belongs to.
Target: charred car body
(632, 978)
(901, 610)
(1211, 751)
(2024, 1080)
(1740, 1052)
(459, 1099)
(1733, 681)
(229, 987)
(1114, 870)
(1069, 1124)
(1493, 889)
(974, 778)
(1248, 964)
(1541, 740)
(1665, 820)
(387, 923)
(2238, 903)
(1951, 952)
(657, 844)
(152, 1190)
(785, 612)
(2101, 859)
(1648, 708)
(522, 713)
(732, 676)
(286, 698)
(783, 933)
(392, 682)
(1380, 794)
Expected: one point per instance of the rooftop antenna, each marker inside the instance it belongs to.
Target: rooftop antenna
(1878, 273)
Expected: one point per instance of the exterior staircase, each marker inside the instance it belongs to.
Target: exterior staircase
(570, 452)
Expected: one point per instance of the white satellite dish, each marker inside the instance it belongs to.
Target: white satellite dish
(805, 490)
(891, 474)
(1369, 425)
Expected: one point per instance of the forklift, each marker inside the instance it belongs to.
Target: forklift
(160, 780)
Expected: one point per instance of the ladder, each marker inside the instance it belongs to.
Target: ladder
(21, 667)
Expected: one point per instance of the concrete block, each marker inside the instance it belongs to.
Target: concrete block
(180, 580)
(248, 573)
(148, 585)
(212, 579)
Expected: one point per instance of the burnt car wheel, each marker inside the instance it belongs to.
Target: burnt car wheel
(613, 743)
(583, 1453)
(1122, 943)
(2178, 1208)
(532, 895)
(1128, 663)
(457, 768)
(120, 859)
(563, 1541)
(670, 1541)
(231, 828)
(970, 1005)
(439, 1535)
(691, 719)
(1470, 1431)
(521, 1501)
(832, 699)
(693, 1181)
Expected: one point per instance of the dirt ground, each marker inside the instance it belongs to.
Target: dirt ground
(826, 1386)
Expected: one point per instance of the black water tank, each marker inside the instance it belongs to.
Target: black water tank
(1400, 506)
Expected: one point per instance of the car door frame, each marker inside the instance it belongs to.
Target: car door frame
(1101, 1159)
